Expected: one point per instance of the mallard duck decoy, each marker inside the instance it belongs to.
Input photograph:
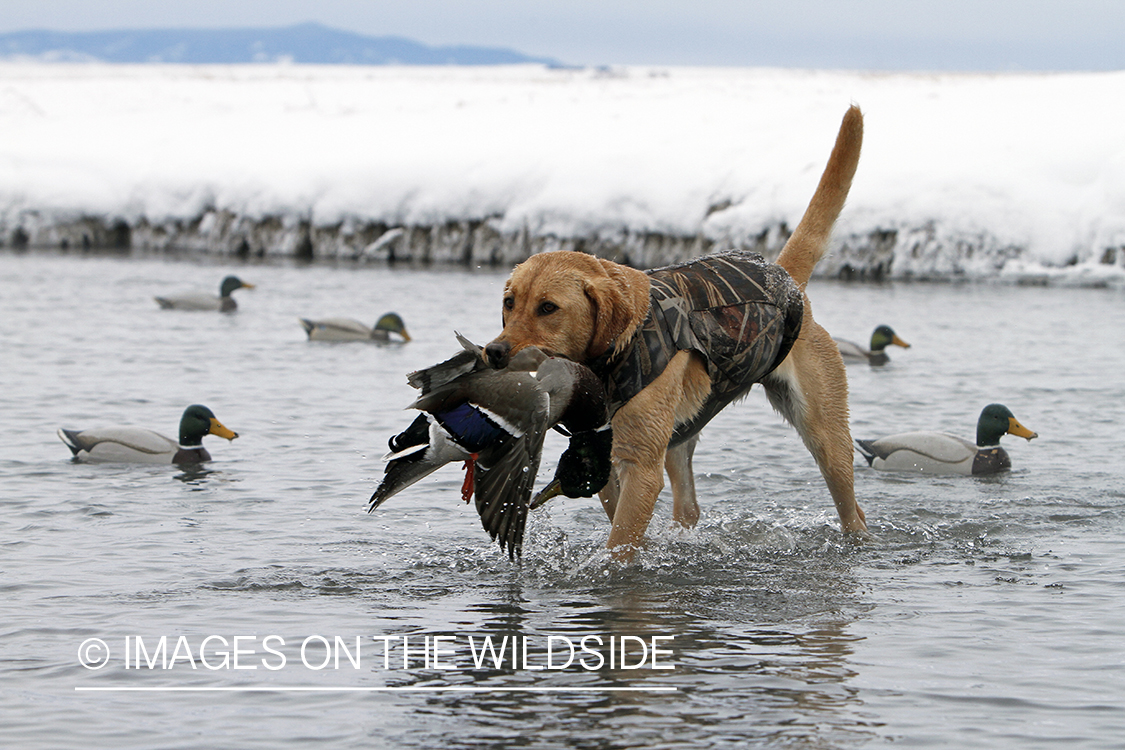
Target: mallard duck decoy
(346, 329)
(495, 421)
(138, 445)
(939, 453)
(202, 301)
(882, 337)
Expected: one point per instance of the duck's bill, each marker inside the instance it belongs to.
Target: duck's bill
(218, 429)
(404, 334)
(247, 286)
(1017, 429)
(554, 489)
(899, 342)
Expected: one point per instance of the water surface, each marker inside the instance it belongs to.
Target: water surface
(988, 612)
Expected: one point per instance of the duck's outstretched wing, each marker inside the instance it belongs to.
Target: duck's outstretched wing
(504, 480)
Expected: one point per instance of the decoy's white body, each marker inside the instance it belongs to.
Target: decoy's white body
(348, 329)
(925, 452)
(123, 445)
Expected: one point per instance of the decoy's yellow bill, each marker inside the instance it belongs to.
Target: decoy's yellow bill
(218, 429)
(1017, 429)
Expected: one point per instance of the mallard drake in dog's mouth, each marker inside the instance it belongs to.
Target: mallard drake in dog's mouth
(495, 421)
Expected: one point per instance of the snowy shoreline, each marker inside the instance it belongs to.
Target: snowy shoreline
(963, 176)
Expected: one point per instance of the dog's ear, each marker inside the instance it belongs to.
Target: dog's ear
(620, 299)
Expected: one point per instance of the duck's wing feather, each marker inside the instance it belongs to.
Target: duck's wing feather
(505, 478)
(442, 374)
(505, 395)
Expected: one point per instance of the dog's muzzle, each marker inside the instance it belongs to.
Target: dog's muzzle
(498, 353)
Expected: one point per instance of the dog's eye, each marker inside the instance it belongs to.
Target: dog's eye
(509, 303)
(546, 308)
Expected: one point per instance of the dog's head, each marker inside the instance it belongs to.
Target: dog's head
(569, 304)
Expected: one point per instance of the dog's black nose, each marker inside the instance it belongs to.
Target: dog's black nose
(498, 353)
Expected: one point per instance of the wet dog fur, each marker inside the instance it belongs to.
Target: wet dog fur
(574, 305)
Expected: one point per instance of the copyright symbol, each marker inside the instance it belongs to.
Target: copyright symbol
(93, 653)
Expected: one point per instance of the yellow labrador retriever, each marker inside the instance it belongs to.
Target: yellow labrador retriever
(676, 345)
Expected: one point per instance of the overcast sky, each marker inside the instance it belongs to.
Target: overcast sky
(863, 34)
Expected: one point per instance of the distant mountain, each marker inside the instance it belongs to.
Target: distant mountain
(304, 43)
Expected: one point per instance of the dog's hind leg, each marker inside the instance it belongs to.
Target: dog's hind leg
(677, 462)
(810, 389)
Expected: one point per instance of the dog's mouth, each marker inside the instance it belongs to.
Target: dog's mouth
(498, 354)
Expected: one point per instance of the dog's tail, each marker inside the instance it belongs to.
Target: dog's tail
(809, 240)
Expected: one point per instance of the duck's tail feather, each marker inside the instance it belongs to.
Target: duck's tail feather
(409, 461)
(400, 474)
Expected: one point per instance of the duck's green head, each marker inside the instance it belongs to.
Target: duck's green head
(392, 323)
(997, 420)
(883, 337)
(583, 468)
(230, 283)
(199, 421)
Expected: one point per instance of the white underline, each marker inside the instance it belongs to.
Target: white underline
(324, 689)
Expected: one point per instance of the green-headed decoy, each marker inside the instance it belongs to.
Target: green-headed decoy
(202, 301)
(939, 453)
(138, 445)
(347, 329)
(882, 337)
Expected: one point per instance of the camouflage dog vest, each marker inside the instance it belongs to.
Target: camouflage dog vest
(738, 312)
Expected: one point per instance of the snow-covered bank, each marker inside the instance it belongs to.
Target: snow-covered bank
(962, 175)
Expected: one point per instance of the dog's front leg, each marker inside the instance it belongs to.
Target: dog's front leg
(609, 494)
(641, 431)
